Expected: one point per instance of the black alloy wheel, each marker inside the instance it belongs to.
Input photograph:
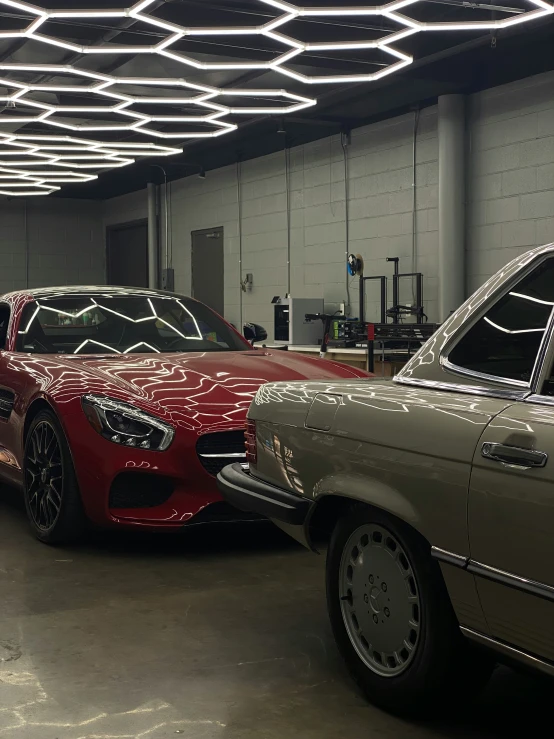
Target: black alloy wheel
(45, 474)
(52, 497)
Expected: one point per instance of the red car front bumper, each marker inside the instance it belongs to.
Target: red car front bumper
(132, 488)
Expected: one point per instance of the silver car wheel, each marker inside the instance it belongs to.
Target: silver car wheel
(380, 600)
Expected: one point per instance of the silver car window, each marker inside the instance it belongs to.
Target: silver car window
(504, 343)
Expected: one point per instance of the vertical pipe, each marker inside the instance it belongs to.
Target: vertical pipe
(383, 299)
(451, 203)
(239, 214)
(152, 237)
(361, 309)
(414, 193)
(26, 234)
(169, 206)
(287, 187)
(166, 211)
(395, 291)
(345, 141)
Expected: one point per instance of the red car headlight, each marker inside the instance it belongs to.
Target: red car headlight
(250, 443)
(124, 424)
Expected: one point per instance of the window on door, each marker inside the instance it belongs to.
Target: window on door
(505, 341)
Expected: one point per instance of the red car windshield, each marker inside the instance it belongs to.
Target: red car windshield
(104, 324)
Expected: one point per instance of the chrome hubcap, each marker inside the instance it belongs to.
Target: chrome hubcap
(379, 600)
(44, 476)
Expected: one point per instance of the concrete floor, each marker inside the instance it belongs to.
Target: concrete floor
(221, 634)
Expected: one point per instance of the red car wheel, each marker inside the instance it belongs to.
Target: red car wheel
(52, 497)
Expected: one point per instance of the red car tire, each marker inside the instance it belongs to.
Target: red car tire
(52, 497)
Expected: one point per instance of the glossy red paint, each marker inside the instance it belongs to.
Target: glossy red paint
(197, 393)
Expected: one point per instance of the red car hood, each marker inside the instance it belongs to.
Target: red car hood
(207, 391)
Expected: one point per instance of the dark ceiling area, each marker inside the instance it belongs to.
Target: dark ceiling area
(463, 61)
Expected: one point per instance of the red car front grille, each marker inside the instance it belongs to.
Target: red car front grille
(215, 451)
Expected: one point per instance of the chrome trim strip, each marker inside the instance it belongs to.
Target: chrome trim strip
(442, 555)
(543, 353)
(483, 376)
(512, 581)
(540, 399)
(231, 455)
(466, 389)
(481, 310)
(508, 651)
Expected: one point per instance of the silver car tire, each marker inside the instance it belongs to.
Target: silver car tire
(392, 618)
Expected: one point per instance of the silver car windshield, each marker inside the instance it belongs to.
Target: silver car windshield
(104, 324)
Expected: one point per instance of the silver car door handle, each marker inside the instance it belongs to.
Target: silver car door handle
(513, 456)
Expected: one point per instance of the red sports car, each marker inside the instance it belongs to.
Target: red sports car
(119, 406)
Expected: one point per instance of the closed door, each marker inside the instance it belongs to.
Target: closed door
(127, 256)
(511, 501)
(207, 268)
(511, 524)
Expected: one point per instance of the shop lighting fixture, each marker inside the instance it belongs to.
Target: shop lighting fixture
(30, 162)
(38, 165)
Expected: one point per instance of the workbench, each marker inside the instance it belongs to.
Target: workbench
(354, 357)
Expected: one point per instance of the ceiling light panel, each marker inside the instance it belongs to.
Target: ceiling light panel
(63, 103)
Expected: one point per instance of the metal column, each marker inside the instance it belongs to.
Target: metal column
(153, 258)
(452, 157)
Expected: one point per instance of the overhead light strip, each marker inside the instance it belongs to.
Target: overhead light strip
(214, 105)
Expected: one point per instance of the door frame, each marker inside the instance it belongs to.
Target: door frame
(113, 228)
(204, 232)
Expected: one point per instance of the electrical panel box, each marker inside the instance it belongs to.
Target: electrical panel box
(291, 325)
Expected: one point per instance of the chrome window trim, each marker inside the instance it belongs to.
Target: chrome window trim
(540, 399)
(480, 312)
(509, 651)
(486, 392)
(483, 376)
(532, 587)
(537, 376)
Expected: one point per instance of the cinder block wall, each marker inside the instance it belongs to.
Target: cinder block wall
(63, 239)
(511, 174)
(510, 208)
(380, 182)
(381, 201)
(510, 204)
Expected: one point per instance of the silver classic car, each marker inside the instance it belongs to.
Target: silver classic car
(437, 491)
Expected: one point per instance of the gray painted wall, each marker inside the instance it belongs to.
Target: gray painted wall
(510, 204)
(511, 185)
(510, 208)
(64, 240)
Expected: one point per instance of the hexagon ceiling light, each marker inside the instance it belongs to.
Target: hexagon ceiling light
(42, 162)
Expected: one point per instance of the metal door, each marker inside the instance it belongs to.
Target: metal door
(208, 268)
(511, 525)
(127, 254)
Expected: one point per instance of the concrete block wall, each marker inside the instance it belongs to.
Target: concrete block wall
(381, 202)
(510, 206)
(380, 182)
(124, 209)
(62, 239)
